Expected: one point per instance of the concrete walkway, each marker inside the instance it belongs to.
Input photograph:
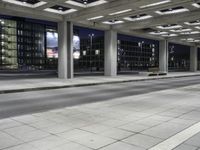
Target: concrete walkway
(163, 120)
(20, 85)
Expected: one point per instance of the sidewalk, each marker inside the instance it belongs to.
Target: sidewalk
(21, 85)
(162, 120)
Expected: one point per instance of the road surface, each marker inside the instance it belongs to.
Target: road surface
(15, 104)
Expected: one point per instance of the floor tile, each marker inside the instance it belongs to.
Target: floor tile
(121, 146)
(195, 140)
(142, 140)
(116, 134)
(134, 127)
(22, 147)
(8, 141)
(185, 147)
(164, 130)
(71, 146)
(8, 123)
(47, 143)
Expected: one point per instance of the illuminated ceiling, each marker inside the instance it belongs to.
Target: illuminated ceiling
(176, 20)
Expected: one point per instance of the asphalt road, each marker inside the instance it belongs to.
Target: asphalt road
(15, 104)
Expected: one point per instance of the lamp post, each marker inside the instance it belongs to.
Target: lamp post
(91, 40)
(141, 48)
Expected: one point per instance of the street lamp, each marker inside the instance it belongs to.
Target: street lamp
(91, 35)
(140, 44)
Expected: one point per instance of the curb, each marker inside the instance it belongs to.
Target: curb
(88, 84)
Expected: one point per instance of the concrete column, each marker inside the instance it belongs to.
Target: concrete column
(193, 58)
(163, 56)
(65, 50)
(110, 65)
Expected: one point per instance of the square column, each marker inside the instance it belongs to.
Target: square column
(193, 58)
(110, 65)
(163, 56)
(65, 50)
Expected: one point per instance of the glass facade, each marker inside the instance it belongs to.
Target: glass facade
(24, 45)
(136, 54)
(179, 57)
(8, 47)
(88, 51)
(32, 45)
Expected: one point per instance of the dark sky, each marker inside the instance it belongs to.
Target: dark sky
(84, 32)
(180, 50)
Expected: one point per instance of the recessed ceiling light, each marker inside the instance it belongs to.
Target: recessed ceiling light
(193, 23)
(173, 26)
(194, 41)
(181, 30)
(155, 4)
(27, 3)
(60, 10)
(169, 35)
(94, 18)
(111, 22)
(158, 32)
(138, 17)
(198, 27)
(84, 4)
(188, 33)
(197, 5)
(120, 12)
(174, 10)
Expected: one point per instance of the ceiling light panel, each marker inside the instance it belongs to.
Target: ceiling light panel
(197, 5)
(158, 33)
(155, 4)
(191, 40)
(26, 3)
(193, 23)
(188, 39)
(194, 41)
(198, 27)
(138, 17)
(86, 3)
(112, 22)
(120, 12)
(189, 33)
(168, 27)
(174, 10)
(181, 30)
(169, 35)
(95, 18)
(60, 10)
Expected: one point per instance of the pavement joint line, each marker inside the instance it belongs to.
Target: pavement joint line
(89, 84)
(178, 139)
